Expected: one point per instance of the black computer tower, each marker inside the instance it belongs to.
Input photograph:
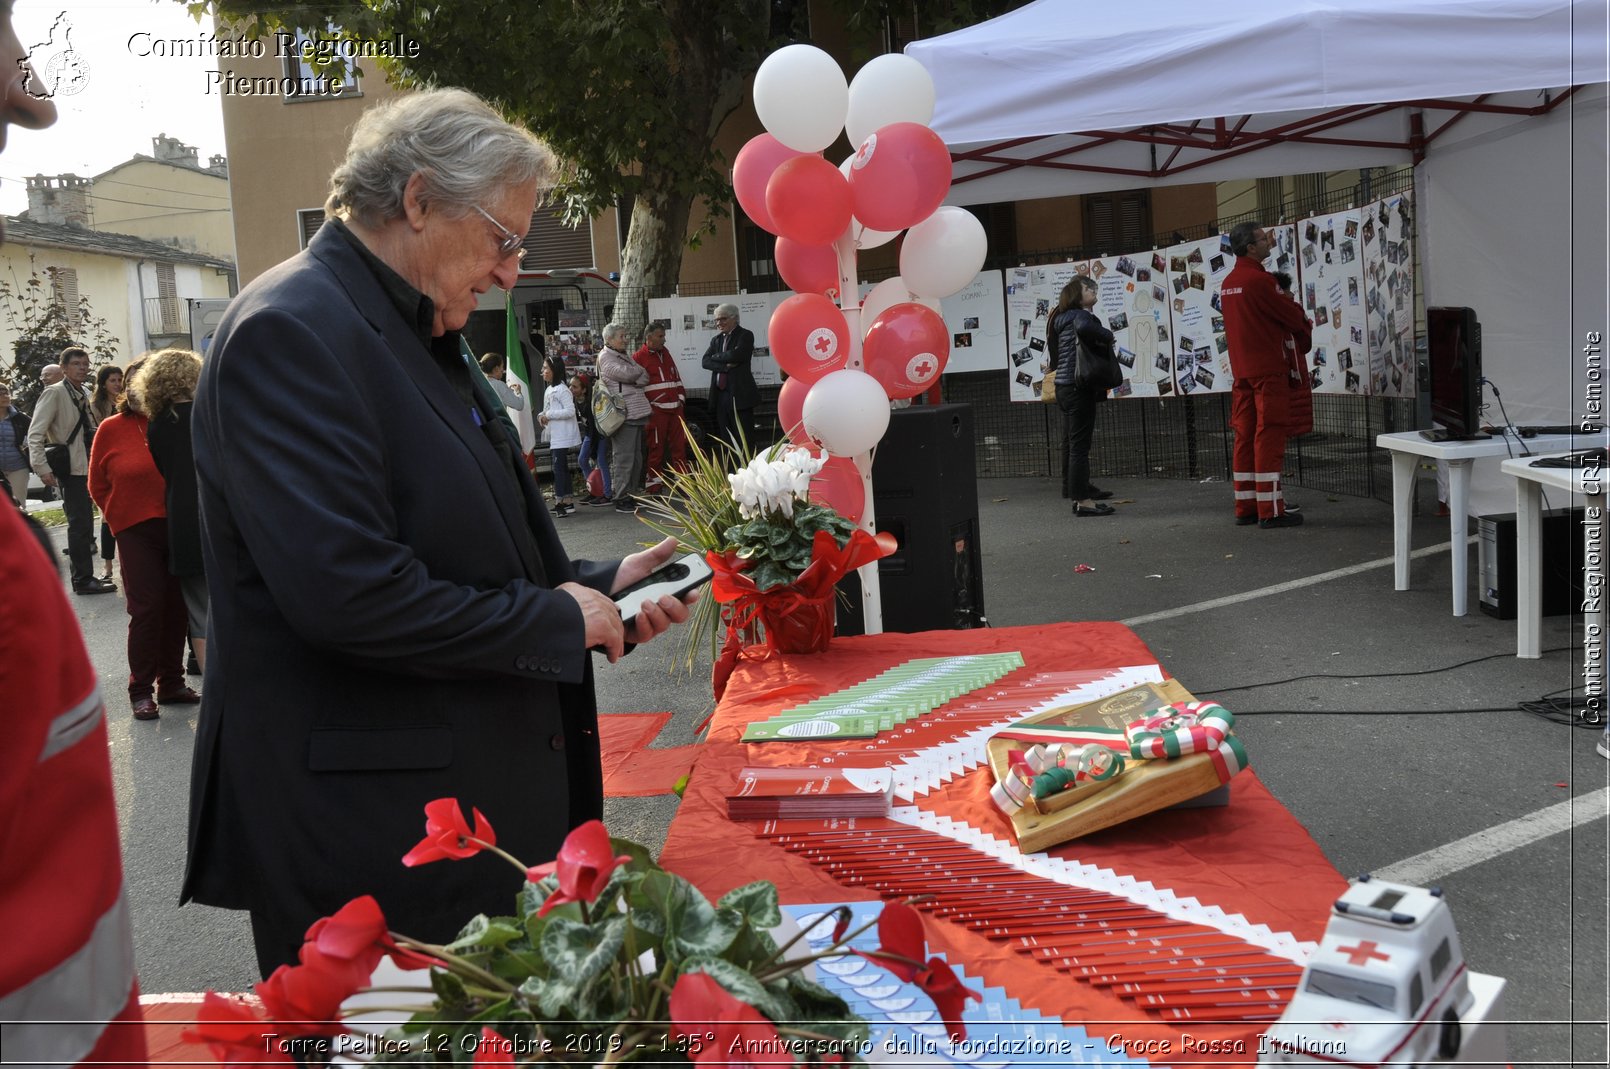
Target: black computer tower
(925, 493)
(1562, 563)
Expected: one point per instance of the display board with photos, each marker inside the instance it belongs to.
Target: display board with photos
(1132, 301)
(1331, 277)
(1031, 293)
(1196, 271)
(690, 323)
(976, 316)
(1386, 238)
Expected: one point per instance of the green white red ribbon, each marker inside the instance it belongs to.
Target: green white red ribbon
(1062, 756)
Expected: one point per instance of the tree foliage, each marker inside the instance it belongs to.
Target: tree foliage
(42, 329)
(628, 93)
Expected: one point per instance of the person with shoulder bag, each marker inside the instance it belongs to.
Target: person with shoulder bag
(623, 376)
(58, 450)
(1082, 368)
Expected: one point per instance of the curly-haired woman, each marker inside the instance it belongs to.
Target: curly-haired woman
(125, 483)
(167, 390)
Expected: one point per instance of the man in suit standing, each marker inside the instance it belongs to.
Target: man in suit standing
(380, 639)
(733, 393)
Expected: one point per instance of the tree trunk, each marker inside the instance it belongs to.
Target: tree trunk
(652, 260)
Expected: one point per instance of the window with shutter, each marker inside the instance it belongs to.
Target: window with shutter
(308, 221)
(1309, 190)
(167, 299)
(550, 243)
(64, 292)
(1118, 221)
(1271, 198)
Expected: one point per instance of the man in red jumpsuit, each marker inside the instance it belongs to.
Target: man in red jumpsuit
(666, 443)
(1257, 321)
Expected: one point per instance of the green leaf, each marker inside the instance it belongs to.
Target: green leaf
(741, 984)
(578, 952)
(757, 902)
(486, 932)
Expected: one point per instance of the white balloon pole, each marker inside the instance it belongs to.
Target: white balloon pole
(850, 305)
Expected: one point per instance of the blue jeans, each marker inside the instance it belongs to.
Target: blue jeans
(595, 454)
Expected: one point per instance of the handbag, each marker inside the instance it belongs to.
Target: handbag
(1048, 384)
(1097, 370)
(609, 408)
(59, 457)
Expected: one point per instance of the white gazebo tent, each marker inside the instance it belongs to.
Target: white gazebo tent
(1499, 104)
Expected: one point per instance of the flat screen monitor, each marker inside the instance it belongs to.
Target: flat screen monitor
(1453, 351)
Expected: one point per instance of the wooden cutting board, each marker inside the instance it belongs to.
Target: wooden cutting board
(1144, 787)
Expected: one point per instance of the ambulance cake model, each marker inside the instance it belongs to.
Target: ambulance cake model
(1387, 987)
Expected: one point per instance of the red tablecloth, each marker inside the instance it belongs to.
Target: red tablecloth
(1250, 858)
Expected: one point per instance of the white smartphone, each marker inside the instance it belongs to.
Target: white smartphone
(675, 578)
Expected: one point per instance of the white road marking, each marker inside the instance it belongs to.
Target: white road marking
(1422, 869)
(1281, 588)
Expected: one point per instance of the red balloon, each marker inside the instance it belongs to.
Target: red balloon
(808, 268)
(899, 176)
(906, 349)
(839, 484)
(752, 169)
(809, 337)
(791, 410)
(809, 200)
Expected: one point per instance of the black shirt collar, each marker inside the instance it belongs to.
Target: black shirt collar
(417, 310)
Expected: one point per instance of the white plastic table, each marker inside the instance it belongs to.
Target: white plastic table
(1529, 484)
(1406, 445)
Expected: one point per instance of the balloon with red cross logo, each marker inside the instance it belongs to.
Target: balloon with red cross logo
(906, 349)
(809, 336)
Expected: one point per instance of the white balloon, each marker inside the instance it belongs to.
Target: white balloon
(943, 252)
(860, 236)
(846, 412)
(891, 88)
(887, 294)
(801, 97)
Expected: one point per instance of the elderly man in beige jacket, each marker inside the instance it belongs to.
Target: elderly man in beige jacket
(62, 418)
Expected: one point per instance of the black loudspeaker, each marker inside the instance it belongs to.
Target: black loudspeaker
(925, 493)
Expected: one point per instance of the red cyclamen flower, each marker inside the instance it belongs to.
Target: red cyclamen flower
(357, 932)
(493, 1049)
(305, 999)
(899, 936)
(950, 997)
(583, 866)
(234, 1033)
(447, 834)
(743, 1036)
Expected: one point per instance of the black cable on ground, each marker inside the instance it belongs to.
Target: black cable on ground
(1369, 675)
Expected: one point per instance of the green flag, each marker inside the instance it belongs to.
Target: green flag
(519, 372)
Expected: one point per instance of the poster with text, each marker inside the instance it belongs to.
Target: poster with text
(1132, 301)
(1386, 236)
(976, 317)
(690, 323)
(1201, 353)
(1330, 271)
(1031, 292)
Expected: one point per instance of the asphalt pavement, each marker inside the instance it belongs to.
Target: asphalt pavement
(1390, 728)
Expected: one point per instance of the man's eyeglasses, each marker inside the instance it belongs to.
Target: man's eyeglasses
(510, 243)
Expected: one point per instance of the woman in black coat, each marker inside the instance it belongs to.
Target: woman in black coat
(167, 389)
(1072, 325)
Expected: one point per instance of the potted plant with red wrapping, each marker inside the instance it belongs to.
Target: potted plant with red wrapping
(606, 959)
(776, 550)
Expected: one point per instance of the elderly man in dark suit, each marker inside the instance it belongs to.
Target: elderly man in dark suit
(733, 393)
(394, 619)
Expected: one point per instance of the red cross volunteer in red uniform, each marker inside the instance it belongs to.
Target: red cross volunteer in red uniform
(665, 443)
(1257, 321)
(67, 959)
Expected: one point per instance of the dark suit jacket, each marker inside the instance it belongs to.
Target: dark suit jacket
(383, 628)
(734, 360)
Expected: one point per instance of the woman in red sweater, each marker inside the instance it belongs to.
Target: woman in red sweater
(125, 483)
